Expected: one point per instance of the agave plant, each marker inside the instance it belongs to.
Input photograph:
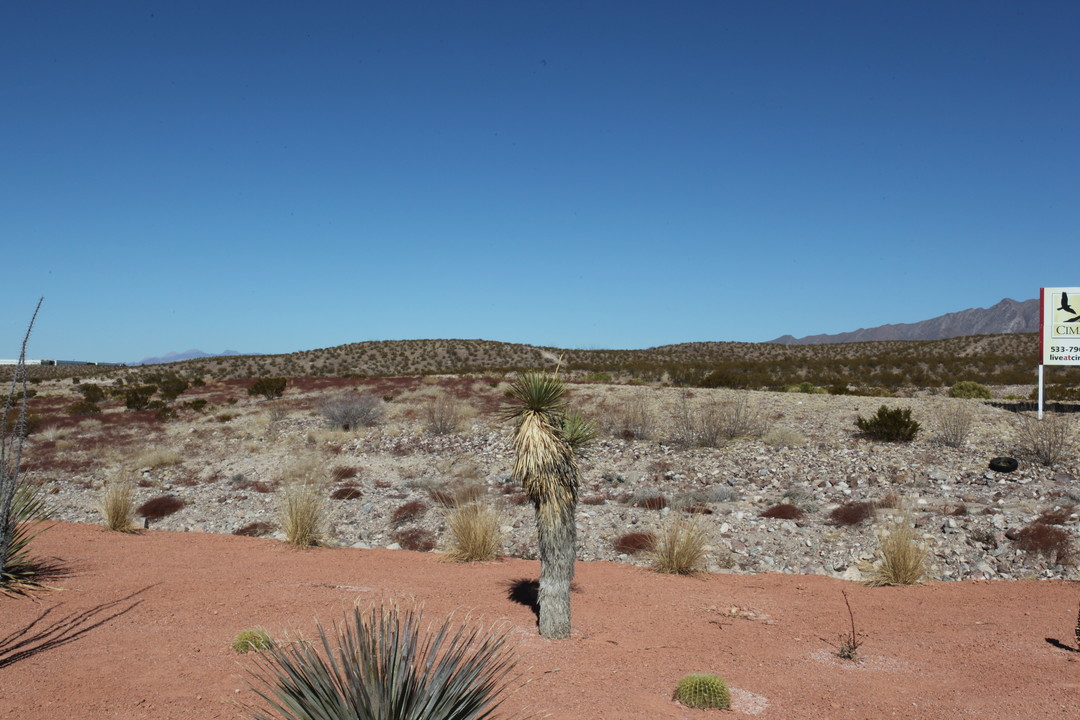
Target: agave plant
(384, 666)
(545, 439)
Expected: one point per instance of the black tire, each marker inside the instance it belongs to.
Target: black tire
(1004, 464)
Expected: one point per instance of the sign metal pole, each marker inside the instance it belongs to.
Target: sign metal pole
(1040, 391)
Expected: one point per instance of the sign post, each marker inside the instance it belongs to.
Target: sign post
(1059, 339)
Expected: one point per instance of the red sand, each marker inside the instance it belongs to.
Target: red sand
(140, 626)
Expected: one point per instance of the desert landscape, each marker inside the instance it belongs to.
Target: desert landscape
(794, 501)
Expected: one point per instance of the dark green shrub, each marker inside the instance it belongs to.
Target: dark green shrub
(196, 405)
(889, 425)
(268, 388)
(172, 386)
(91, 393)
(388, 665)
(138, 398)
(83, 407)
(969, 389)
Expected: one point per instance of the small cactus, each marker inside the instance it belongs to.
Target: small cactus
(701, 690)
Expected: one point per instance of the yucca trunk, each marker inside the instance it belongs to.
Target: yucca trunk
(545, 465)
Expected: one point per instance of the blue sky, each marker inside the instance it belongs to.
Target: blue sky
(273, 176)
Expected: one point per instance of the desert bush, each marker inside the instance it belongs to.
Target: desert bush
(443, 416)
(83, 407)
(157, 458)
(851, 513)
(634, 542)
(171, 387)
(254, 529)
(415, 539)
(1050, 541)
(349, 412)
(138, 398)
(268, 388)
(117, 507)
(953, 423)
(738, 418)
(680, 547)
(971, 390)
(252, 639)
(475, 533)
(783, 437)
(91, 393)
(783, 511)
(902, 555)
(347, 493)
(303, 512)
(701, 690)
(159, 507)
(893, 425)
(409, 512)
(631, 420)
(386, 665)
(696, 427)
(1047, 441)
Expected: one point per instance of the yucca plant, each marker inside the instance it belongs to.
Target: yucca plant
(385, 666)
(546, 466)
(22, 508)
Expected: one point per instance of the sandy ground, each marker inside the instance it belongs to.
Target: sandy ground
(139, 626)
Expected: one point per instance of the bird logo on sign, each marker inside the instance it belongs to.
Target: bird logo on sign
(1065, 307)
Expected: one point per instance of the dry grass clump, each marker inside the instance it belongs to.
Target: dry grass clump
(952, 423)
(680, 547)
(303, 513)
(157, 458)
(1047, 441)
(783, 437)
(902, 555)
(117, 506)
(252, 639)
(475, 533)
(851, 513)
(634, 542)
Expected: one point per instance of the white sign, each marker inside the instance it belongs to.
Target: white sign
(1060, 338)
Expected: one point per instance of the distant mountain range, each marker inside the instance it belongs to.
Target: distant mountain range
(1008, 316)
(186, 355)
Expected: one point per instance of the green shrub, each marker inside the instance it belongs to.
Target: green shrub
(268, 388)
(91, 393)
(251, 639)
(701, 690)
(172, 386)
(597, 377)
(83, 407)
(386, 665)
(138, 398)
(889, 425)
(969, 389)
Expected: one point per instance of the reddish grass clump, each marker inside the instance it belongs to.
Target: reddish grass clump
(698, 510)
(1047, 540)
(1056, 516)
(407, 513)
(347, 493)
(344, 473)
(634, 542)
(783, 511)
(255, 529)
(159, 507)
(416, 539)
(653, 502)
(258, 486)
(851, 513)
(593, 500)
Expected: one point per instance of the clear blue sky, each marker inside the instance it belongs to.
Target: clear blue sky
(279, 176)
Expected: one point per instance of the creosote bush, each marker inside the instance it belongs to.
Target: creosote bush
(385, 664)
(953, 423)
(1047, 441)
(889, 425)
(680, 547)
(475, 533)
(971, 390)
(268, 388)
(351, 411)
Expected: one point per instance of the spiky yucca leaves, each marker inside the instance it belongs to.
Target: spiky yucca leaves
(546, 467)
(385, 666)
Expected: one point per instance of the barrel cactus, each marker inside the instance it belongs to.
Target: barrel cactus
(701, 690)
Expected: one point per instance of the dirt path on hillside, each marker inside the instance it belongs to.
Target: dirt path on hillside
(139, 626)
